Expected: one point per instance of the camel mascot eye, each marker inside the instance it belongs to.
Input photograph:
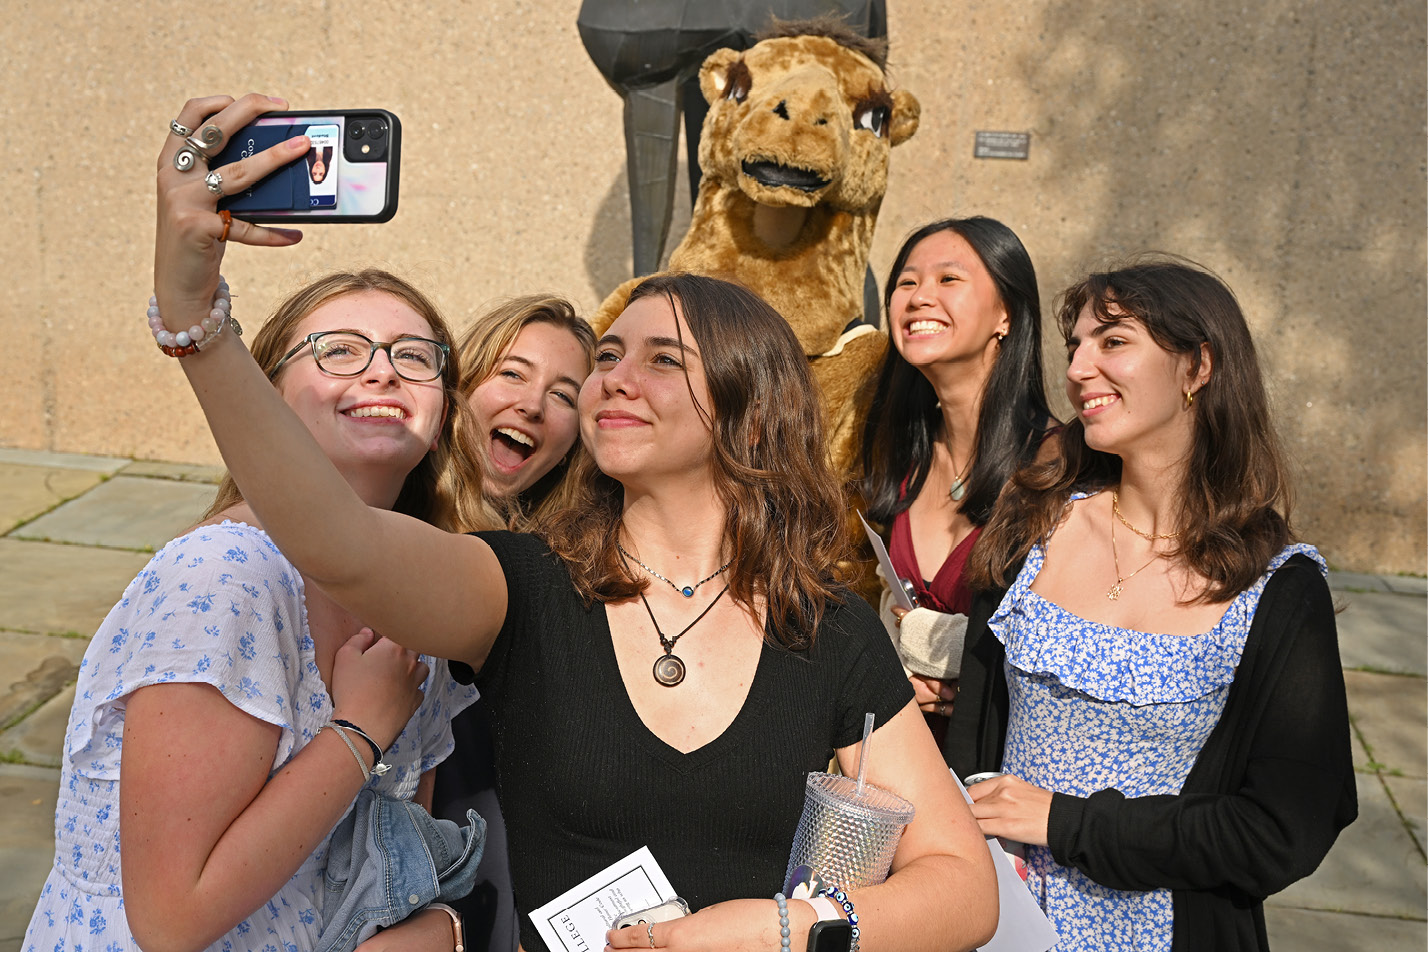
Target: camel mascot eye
(874, 116)
(737, 82)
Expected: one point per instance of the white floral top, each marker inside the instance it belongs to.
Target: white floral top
(1092, 707)
(219, 606)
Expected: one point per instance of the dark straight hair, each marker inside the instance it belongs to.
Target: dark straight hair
(904, 419)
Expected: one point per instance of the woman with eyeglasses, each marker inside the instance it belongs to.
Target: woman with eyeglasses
(672, 655)
(226, 688)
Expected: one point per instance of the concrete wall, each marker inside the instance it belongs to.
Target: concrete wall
(1281, 144)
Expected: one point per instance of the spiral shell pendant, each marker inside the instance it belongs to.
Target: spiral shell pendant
(669, 670)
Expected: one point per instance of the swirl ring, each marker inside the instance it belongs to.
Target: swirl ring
(186, 158)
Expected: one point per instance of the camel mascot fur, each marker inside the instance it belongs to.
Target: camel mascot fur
(794, 156)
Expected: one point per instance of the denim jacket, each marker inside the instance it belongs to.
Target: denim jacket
(386, 859)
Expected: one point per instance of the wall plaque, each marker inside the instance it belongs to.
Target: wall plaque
(1001, 145)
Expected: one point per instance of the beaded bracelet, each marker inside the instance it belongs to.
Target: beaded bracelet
(841, 898)
(181, 344)
(378, 766)
(783, 941)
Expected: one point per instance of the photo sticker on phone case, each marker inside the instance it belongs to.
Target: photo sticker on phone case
(322, 166)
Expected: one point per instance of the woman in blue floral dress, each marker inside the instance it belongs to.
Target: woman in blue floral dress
(213, 687)
(1153, 659)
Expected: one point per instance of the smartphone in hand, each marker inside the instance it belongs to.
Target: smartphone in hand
(350, 174)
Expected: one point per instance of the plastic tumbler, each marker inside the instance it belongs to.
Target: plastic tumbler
(846, 837)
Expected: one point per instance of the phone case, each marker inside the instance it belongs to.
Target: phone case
(351, 174)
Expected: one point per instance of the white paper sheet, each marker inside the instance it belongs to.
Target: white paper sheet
(885, 561)
(1020, 924)
(578, 919)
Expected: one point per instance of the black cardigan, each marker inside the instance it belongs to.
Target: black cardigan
(1268, 794)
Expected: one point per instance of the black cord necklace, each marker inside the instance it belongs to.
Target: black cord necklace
(669, 669)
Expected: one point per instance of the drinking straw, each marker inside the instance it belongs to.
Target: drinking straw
(863, 755)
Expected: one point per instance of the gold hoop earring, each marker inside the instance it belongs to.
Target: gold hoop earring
(1189, 398)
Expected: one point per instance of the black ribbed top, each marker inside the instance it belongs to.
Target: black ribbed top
(583, 782)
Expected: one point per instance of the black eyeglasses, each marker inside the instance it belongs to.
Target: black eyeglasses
(346, 354)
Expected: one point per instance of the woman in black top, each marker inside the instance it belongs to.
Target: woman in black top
(707, 476)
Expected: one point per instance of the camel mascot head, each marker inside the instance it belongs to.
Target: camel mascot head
(794, 157)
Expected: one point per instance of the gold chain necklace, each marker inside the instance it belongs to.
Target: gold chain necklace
(1116, 509)
(1114, 593)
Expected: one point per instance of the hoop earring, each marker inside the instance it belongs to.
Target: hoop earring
(1189, 398)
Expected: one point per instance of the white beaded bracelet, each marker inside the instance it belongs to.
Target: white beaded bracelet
(180, 344)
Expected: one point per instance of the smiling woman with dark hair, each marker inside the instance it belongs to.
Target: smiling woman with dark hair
(632, 703)
(1153, 659)
(959, 405)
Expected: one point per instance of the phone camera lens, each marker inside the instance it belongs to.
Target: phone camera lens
(356, 131)
(376, 130)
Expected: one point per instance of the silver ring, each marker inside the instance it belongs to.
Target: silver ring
(649, 931)
(211, 136)
(187, 157)
(214, 181)
(179, 129)
(198, 146)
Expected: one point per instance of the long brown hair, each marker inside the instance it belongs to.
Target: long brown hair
(784, 508)
(445, 488)
(1234, 497)
(483, 345)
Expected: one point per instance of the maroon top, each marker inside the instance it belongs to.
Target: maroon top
(947, 591)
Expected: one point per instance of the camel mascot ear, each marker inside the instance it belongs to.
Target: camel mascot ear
(906, 113)
(714, 74)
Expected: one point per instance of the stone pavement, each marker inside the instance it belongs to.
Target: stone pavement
(75, 529)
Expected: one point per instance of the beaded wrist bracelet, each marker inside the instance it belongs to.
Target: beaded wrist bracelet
(181, 344)
(783, 941)
(840, 897)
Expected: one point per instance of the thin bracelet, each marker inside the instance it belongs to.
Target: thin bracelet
(378, 766)
(366, 775)
(782, 903)
(458, 932)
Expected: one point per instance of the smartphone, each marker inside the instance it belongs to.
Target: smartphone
(664, 911)
(350, 174)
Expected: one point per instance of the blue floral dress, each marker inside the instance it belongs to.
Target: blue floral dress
(219, 606)
(1092, 707)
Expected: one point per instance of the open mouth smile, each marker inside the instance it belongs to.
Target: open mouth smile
(511, 448)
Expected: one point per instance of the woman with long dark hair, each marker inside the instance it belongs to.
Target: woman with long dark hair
(1153, 659)
(959, 405)
(633, 703)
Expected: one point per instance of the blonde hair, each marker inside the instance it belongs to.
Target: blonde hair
(444, 489)
(482, 347)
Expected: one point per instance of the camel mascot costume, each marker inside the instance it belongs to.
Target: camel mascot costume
(794, 156)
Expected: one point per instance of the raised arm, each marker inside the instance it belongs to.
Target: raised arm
(432, 591)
